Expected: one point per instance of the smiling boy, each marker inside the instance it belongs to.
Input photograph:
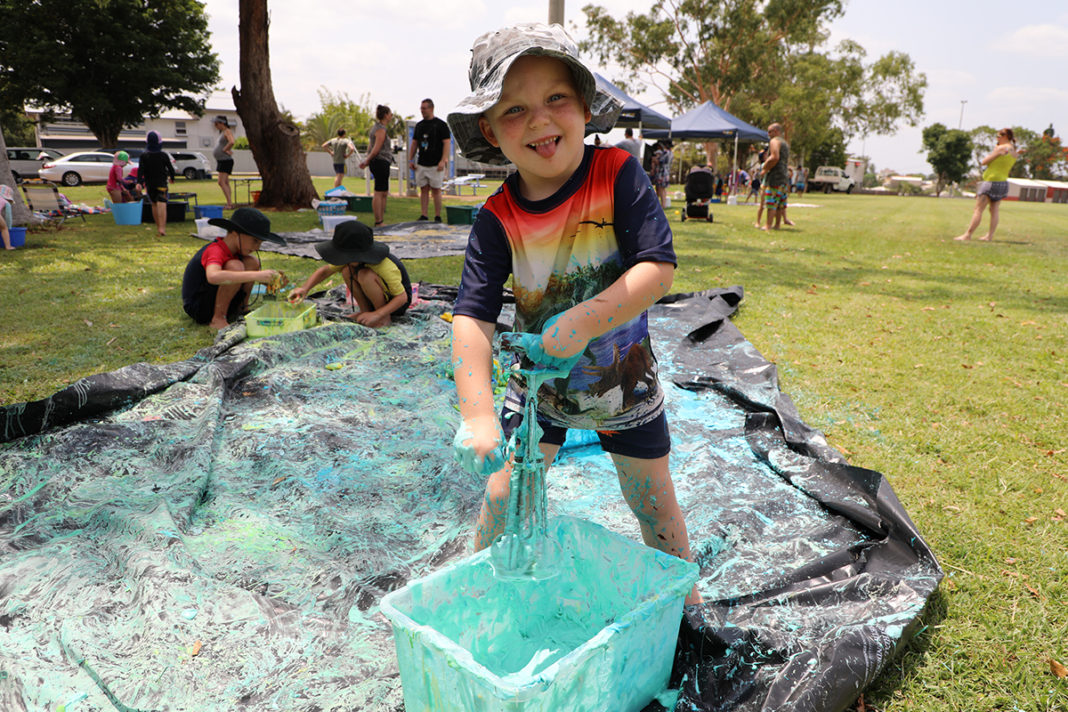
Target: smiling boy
(589, 250)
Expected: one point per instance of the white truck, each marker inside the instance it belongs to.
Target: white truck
(830, 178)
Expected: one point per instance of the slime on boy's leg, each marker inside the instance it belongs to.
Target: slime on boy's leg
(650, 493)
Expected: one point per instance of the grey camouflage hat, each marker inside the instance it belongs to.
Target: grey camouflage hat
(491, 57)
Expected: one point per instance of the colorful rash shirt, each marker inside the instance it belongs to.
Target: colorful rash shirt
(562, 251)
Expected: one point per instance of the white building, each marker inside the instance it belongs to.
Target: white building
(178, 129)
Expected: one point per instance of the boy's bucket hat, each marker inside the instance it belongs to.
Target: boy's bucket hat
(352, 242)
(220, 119)
(249, 221)
(492, 56)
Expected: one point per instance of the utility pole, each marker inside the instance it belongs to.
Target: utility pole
(556, 12)
(961, 122)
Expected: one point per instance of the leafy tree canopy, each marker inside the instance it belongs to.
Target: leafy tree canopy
(16, 128)
(831, 151)
(110, 63)
(949, 153)
(1045, 157)
(338, 111)
(758, 60)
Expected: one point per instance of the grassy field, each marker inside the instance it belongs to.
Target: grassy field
(940, 364)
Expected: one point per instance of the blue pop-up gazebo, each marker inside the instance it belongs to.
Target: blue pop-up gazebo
(634, 114)
(709, 122)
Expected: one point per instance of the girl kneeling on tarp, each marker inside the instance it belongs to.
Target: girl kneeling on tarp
(376, 281)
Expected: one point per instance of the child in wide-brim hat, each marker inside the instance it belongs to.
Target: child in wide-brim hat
(376, 281)
(588, 249)
(219, 277)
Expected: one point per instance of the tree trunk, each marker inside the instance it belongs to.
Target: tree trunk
(20, 214)
(275, 142)
(711, 153)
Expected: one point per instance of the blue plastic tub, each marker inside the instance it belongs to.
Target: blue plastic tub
(599, 635)
(18, 236)
(126, 213)
(208, 211)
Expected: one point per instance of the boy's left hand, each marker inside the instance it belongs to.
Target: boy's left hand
(556, 349)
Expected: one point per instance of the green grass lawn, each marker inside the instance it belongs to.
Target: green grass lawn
(940, 364)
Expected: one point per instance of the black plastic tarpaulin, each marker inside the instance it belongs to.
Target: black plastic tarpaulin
(217, 533)
(406, 240)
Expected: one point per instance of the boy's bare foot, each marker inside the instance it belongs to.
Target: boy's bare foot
(788, 222)
(218, 324)
(758, 225)
(985, 238)
(960, 238)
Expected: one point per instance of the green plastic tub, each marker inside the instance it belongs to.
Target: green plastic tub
(279, 318)
(600, 635)
(358, 203)
(461, 214)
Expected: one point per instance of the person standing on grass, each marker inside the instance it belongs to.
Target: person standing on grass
(224, 157)
(115, 187)
(340, 148)
(155, 171)
(661, 173)
(380, 158)
(7, 199)
(776, 178)
(995, 184)
(630, 144)
(432, 142)
(219, 277)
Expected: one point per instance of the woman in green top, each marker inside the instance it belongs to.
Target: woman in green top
(994, 185)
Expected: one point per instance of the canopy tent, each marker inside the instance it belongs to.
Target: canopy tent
(710, 122)
(634, 114)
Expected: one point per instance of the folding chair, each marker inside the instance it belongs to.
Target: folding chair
(42, 198)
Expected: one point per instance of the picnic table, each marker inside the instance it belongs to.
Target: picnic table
(247, 181)
(188, 197)
(455, 186)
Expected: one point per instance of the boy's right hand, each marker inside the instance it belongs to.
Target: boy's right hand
(297, 295)
(479, 445)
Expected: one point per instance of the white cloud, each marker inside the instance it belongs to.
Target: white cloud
(1049, 41)
(1029, 100)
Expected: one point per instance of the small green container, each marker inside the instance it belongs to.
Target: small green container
(461, 214)
(599, 635)
(279, 318)
(359, 204)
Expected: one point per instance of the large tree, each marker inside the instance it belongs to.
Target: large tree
(19, 213)
(273, 138)
(949, 153)
(758, 60)
(110, 63)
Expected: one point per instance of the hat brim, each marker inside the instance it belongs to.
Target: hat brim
(373, 255)
(463, 120)
(229, 225)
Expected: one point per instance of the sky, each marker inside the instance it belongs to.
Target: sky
(985, 64)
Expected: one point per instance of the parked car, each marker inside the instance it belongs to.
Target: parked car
(81, 167)
(191, 164)
(830, 178)
(133, 153)
(27, 160)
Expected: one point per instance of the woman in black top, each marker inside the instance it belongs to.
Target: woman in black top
(154, 171)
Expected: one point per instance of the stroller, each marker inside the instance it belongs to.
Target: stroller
(700, 187)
